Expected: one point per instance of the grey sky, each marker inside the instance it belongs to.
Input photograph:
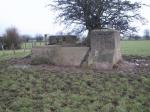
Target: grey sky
(33, 17)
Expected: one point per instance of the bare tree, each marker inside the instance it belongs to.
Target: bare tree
(99, 14)
(12, 39)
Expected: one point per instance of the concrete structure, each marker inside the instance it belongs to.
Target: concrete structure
(62, 39)
(103, 54)
(58, 55)
(105, 49)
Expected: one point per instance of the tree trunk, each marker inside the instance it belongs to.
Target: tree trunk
(13, 48)
(88, 40)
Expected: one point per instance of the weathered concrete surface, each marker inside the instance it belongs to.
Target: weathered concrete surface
(105, 49)
(62, 39)
(104, 53)
(58, 55)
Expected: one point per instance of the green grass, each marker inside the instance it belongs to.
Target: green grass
(10, 54)
(7, 54)
(29, 45)
(38, 90)
(140, 48)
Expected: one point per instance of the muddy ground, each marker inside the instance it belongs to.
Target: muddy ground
(131, 64)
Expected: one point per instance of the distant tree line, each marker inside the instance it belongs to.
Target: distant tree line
(37, 38)
(146, 36)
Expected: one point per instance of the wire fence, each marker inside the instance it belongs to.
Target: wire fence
(25, 50)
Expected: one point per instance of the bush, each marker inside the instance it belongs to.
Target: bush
(12, 40)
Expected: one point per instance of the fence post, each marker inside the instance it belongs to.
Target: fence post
(45, 39)
(25, 46)
(2, 46)
(32, 43)
(35, 43)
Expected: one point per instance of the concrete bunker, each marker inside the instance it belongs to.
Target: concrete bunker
(62, 40)
(103, 54)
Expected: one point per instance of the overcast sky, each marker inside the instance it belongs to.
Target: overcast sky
(33, 17)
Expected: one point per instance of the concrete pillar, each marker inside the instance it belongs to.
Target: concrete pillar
(105, 49)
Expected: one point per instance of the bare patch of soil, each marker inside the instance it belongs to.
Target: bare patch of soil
(20, 61)
(131, 64)
(142, 64)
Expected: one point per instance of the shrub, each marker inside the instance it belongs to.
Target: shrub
(12, 40)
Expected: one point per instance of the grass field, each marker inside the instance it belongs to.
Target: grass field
(10, 54)
(7, 54)
(29, 45)
(38, 90)
(139, 48)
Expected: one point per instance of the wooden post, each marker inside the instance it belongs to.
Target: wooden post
(25, 46)
(2, 47)
(45, 39)
(40, 42)
(32, 43)
(35, 43)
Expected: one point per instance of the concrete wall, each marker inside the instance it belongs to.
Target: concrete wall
(58, 55)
